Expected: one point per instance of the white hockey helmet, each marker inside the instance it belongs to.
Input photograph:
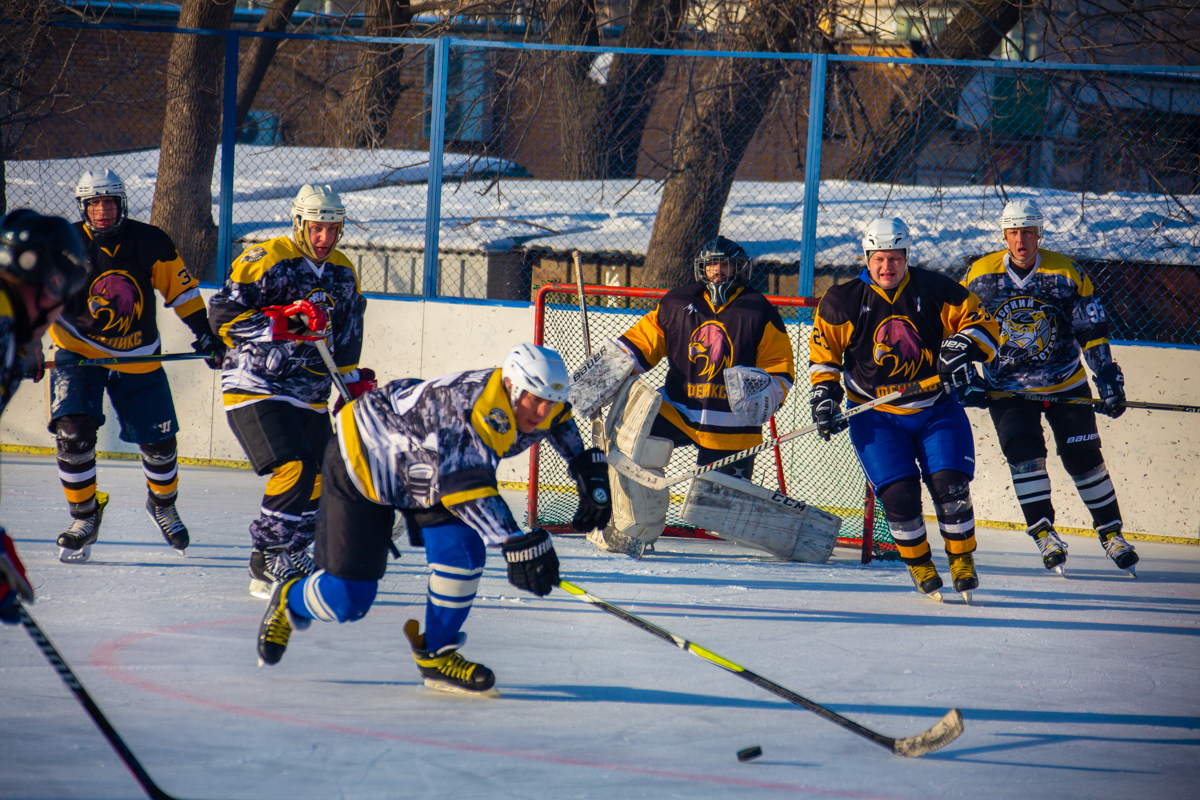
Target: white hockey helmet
(101, 183)
(887, 234)
(537, 370)
(315, 204)
(1021, 214)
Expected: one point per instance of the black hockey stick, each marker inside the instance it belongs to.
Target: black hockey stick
(1091, 401)
(68, 677)
(119, 360)
(945, 731)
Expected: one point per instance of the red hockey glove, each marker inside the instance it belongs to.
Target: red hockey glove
(292, 323)
(13, 583)
(366, 383)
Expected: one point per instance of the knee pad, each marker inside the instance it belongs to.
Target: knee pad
(1079, 464)
(159, 453)
(75, 435)
(1025, 448)
(901, 499)
(333, 599)
(951, 491)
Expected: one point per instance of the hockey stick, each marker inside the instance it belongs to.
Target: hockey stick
(68, 677)
(945, 731)
(1091, 401)
(630, 469)
(587, 337)
(119, 360)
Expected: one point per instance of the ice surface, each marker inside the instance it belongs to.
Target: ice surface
(1086, 687)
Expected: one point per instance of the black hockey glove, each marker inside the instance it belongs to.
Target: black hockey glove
(1110, 383)
(532, 562)
(590, 471)
(208, 343)
(954, 360)
(826, 399)
(33, 361)
(974, 394)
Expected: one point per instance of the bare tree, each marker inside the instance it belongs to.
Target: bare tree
(367, 106)
(191, 131)
(259, 54)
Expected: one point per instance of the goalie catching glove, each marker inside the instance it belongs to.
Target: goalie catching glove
(532, 562)
(826, 400)
(754, 394)
(590, 471)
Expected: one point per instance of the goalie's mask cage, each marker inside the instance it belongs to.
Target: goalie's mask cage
(826, 475)
(722, 251)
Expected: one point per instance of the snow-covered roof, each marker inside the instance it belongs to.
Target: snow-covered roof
(385, 192)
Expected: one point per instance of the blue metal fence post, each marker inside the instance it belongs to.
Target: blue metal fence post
(812, 174)
(437, 135)
(228, 144)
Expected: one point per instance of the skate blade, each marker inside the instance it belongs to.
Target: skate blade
(1132, 570)
(260, 589)
(966, 596)
(69, 556)
(182, 551)
(935, 596)
(491, 693)
(1061, 570)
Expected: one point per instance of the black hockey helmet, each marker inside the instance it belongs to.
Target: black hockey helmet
(717, 251)
(43, 252)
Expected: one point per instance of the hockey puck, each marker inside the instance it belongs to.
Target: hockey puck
(749, 754)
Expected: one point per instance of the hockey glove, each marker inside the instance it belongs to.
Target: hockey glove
(366, 383)
(33, 362)
(13, 583)
(532, 562)
(974, 394)
(1110, 383)
(590, 471)
(954, 360)
(826, 400)
(299, 322)
(208, 343)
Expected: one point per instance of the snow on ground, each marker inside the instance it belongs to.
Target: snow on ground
(1085, 687)
(385, 197)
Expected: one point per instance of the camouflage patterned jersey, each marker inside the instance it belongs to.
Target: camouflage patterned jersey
(11, 368)
(1045, 320)
(413, 444)
(257, 368)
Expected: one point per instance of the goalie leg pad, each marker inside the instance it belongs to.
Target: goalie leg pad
(754, 515)
(597, 383)
(639, 512)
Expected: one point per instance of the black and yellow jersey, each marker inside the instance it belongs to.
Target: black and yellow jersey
(11, 348)
(881, 342)
(116, 315)
(699, 343)
(256, 368)
(1046, 318)
(413, 444)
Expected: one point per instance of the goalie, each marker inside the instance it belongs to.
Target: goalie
(730, 366)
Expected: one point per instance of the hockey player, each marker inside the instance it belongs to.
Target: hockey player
(1049, 314)
(430, 449)
(42, 263)
(730, 366)
(891, 327)
(116, 317)
(282, 298)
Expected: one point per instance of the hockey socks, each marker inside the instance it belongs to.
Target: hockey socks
(329, 599)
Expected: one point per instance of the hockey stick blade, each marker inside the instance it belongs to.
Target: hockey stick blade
(81, 694)
(1091, 401)
(949, 728)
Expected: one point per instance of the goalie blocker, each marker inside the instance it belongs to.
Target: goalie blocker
(754, 515)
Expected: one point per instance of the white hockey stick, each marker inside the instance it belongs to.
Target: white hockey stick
(333, 370)
(587, 337)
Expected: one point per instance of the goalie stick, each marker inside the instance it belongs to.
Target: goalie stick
(587, 337)
(1091, 401)
(627, 467)
(945, 731)
(68, 677)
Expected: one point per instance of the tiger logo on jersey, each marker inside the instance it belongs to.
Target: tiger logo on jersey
(898, 348)
(1027, 330)
(116, 301)
(710, 349)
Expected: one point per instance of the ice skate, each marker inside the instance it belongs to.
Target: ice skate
(169, 524)
(446, 670)
(302, 562)
(962, 570)
(269, 567)
(76, 542)
(1052, 548)
(1119, 550)
(277, 625)
(925, 577)
(613, 541)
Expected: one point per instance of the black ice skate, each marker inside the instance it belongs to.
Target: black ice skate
(925, 577)
(277, 625)
(301, 561)
(962, 570)
(1119, 550)
(271, 566)
(1052, 548)
(169, 524)
(76, 541)
(446, 670)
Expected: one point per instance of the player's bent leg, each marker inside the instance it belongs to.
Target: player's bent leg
(317, 433)
(75, 445)
(331, 599)
(160, 465)
(1088, 471)
(901, 501)
(281, 516)
(275, 630)
(951, 493)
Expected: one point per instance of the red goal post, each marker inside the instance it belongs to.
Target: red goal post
(827, 475)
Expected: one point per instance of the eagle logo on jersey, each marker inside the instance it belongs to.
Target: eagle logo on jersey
(116, 301)
(497, 420)
(709, 348)
(898, 348)
(1027, 330)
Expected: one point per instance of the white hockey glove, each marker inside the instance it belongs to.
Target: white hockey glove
(595, 384)
(753, 394)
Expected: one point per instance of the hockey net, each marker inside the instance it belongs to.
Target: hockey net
(827, 475)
